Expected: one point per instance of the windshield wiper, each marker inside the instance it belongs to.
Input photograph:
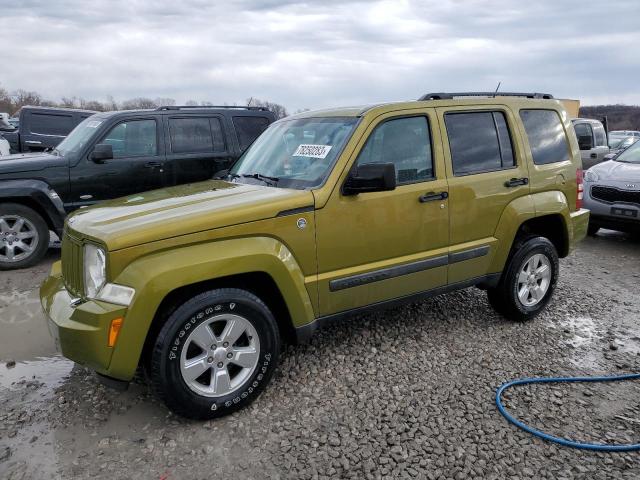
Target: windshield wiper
(271, 181)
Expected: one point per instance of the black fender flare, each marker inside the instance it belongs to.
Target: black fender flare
(40, 193)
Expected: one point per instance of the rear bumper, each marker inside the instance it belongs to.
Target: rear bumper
(80, 331)
(579, 226)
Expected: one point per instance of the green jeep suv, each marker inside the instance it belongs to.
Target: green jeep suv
(327, 214)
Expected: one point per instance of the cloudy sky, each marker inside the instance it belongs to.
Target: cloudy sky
(320, 53)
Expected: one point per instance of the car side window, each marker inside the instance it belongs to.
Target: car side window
(190, 135)
(135, 138)
(406, 143)
(479, 142)
(248, 129)
(546, 135)
(601, 137)
(51, 124)
(583, 130)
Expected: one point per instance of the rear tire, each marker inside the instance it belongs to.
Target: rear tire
(24, 236)
(215, 354)
(528, 281)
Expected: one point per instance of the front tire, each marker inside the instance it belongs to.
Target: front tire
(24, 236)
(215, 354)
(528, 281)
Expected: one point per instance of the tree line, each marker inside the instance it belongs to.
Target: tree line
(12, 102)
(619, 117)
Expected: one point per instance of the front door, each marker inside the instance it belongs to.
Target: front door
(380, 246)
(137, 164)
(485, 173)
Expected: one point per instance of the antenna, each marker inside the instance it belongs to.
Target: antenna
(497, 88)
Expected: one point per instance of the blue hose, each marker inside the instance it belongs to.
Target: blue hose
(551, 438)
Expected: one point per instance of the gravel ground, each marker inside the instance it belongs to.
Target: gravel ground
(407, 392)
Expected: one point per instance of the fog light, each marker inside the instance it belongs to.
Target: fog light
(114, 330)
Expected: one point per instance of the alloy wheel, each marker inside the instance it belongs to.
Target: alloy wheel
(18, 238)
(534, 279)
(219, 355)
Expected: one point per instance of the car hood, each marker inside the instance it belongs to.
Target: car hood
(617, 171)
(29, 162)
(181, 210)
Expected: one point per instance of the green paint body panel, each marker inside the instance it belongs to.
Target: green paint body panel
(173, 238)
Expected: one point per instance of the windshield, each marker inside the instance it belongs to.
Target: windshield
(295, 153)
(630, 155)
(616, 142)
(79, 136)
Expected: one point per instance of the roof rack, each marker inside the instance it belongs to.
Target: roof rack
(451, 96)
(237, 107)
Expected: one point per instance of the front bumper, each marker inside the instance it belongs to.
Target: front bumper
(614, 215)
(81, 330)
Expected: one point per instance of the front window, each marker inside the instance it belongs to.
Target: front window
(79, 136)
(630, 155)
(295, 153)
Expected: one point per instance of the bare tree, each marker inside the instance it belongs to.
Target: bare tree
(136, 103)
(278, 110)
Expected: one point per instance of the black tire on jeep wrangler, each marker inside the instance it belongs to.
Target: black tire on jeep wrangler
(215, 353)
(528, 280)
(24, 236)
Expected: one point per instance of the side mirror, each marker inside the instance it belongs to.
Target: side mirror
(370, 177)
(102, 152)
(585, 142)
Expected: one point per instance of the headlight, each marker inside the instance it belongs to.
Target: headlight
(590, 176)
(95, 270)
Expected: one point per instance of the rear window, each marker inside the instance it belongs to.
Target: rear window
(479, 142)
(248, 129)
(51, 124)
(546, 135)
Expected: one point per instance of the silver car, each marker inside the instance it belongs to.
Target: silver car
(612, 192)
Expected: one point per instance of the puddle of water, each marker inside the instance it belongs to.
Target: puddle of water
(25, 335)
(583, 330)
(51, 372)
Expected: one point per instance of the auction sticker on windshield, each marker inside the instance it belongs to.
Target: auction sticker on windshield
(315, 151)
(93, 124)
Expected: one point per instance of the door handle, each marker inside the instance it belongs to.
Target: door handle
(594, 155)
(433, 196)
(516, 182)
(33, 142)
(153, 164)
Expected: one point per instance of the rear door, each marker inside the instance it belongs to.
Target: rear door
(137, 164)
(486, 172)
(197, 146)
(40, 130)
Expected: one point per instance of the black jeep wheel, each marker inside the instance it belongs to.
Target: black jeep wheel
(24, 236)
(528, 281)
(215, 353)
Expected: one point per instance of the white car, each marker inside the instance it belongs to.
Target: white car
(4, 146)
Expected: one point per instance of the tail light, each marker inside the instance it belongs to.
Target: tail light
(580, 186)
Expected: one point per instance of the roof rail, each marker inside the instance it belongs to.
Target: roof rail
(451, 96)
(237, 107)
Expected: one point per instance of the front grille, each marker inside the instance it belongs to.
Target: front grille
(615, 195)
(72, 265)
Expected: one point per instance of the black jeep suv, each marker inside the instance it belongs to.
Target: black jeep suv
(114, 154)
